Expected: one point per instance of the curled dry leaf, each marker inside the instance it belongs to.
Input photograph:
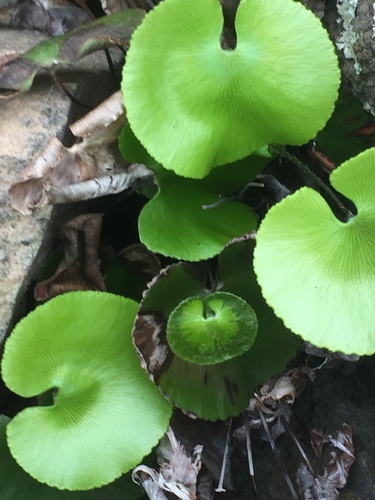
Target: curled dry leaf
(345, 362)
(336, 470)
(107, 31)
(59, 166)
(178, 471)
(100, 186)
(80, 267)
(212, 436)
(275, 396)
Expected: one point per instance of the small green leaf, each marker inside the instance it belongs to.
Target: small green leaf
(212, 391)
(176, 222)
(211, 330)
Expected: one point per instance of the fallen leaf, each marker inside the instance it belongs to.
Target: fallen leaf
(113, 30)
(211, 435)
(336, 469)
(178, 471)
(130, 271)
(58, 166)
(55, 21)
(274, 397)
(80, 267)
(366, 130)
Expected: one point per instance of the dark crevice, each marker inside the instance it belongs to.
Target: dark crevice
(228, 40)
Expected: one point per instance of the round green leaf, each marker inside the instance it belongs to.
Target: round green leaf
(175, 222)
(15, 483)
(317, 272)
(194, 105)
(106, 414)
(206, 331)
(212, 391)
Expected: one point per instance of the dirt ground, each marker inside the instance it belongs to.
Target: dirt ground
(332, 399)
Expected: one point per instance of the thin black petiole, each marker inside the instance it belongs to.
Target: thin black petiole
(278, 457)
(238, 197)
(284, 154)
(298, 444)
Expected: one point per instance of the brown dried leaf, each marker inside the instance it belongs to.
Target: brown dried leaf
(336, 470)
(58, 166)
(178, 471)
(80, 268)
(273, 400)
(211, 435)
(313, 488)
(105, 32)
(102, 186)
(142, 259)
(280, 389)
(54, 21)
(5, 58)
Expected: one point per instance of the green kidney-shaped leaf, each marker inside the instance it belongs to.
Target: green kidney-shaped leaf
(176, 223)
(211, 330)
(318, 273)
(212, 391)
(194, 105)
(101, 423)
(15, 483)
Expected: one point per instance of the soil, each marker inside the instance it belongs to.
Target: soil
(332, 399)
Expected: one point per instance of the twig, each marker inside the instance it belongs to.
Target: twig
(220, 488)
(249, 451)
(300, 449)
(278, 457)
(95, 188)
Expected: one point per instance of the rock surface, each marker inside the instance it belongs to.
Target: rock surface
(27, 122)
(351, 25)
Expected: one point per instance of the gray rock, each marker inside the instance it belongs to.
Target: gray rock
(27, 122)
(351, 24)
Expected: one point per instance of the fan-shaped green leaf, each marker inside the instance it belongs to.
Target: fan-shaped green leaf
(194, 105)
(15, 483)
(317, 272)
(101, 423)
(212, 391)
